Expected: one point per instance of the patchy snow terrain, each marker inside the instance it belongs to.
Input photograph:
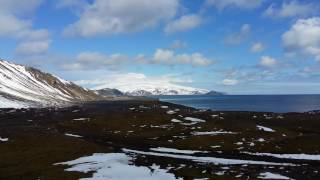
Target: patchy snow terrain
(211, 160)
(269, 175)
(116, 166)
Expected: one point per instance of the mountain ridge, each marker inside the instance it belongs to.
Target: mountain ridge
(141, 92)
(29, 86)
(154, 88)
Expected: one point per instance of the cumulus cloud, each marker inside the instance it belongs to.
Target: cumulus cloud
(303, 38)
(242, 4)
(33, 47)
(96, 60)
(11, 12)
(240, 36)
(33, 42)
(251, 74)
(105, 17)
(168, 57)
(257, 47)
(291, 9)
(229, 82)
(184, 23)
(13, 25)
(268, 62)
(177, 44)
(18, 7)
(14, 17)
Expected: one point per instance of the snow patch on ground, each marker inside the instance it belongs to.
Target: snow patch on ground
(288, 156)
(73, 135)
(176, 121)
(212, 160)
(212, 133)
(4, 139)
(116, 166)
(171, 112)
(269, 175)
(171, 150)
(194, 119)
(263, 128)
(81, 119)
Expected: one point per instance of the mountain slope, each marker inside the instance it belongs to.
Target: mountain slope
(31, 87)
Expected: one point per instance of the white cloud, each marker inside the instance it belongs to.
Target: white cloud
(303, 38)
(13, 26)
(33, 47)
(96, 60)
(18, 7)
(240, 36)
(168, 57)
(11, 12)
(257, 47)
(16, 24)
(291, 9)
(242, 4)
(184, 23)
(268, 62)
(105, 17)
(33, 42)
(229, 82)
(177, 44)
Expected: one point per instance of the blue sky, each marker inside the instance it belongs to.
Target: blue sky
(235, 46)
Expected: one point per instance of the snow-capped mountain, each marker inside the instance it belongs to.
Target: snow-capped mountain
(154, 88)
(22, 86)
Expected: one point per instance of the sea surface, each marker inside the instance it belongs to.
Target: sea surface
(258, 103)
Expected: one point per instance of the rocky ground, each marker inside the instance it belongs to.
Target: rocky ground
(184, 142)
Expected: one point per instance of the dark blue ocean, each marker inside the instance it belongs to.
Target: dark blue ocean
(260, 103)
